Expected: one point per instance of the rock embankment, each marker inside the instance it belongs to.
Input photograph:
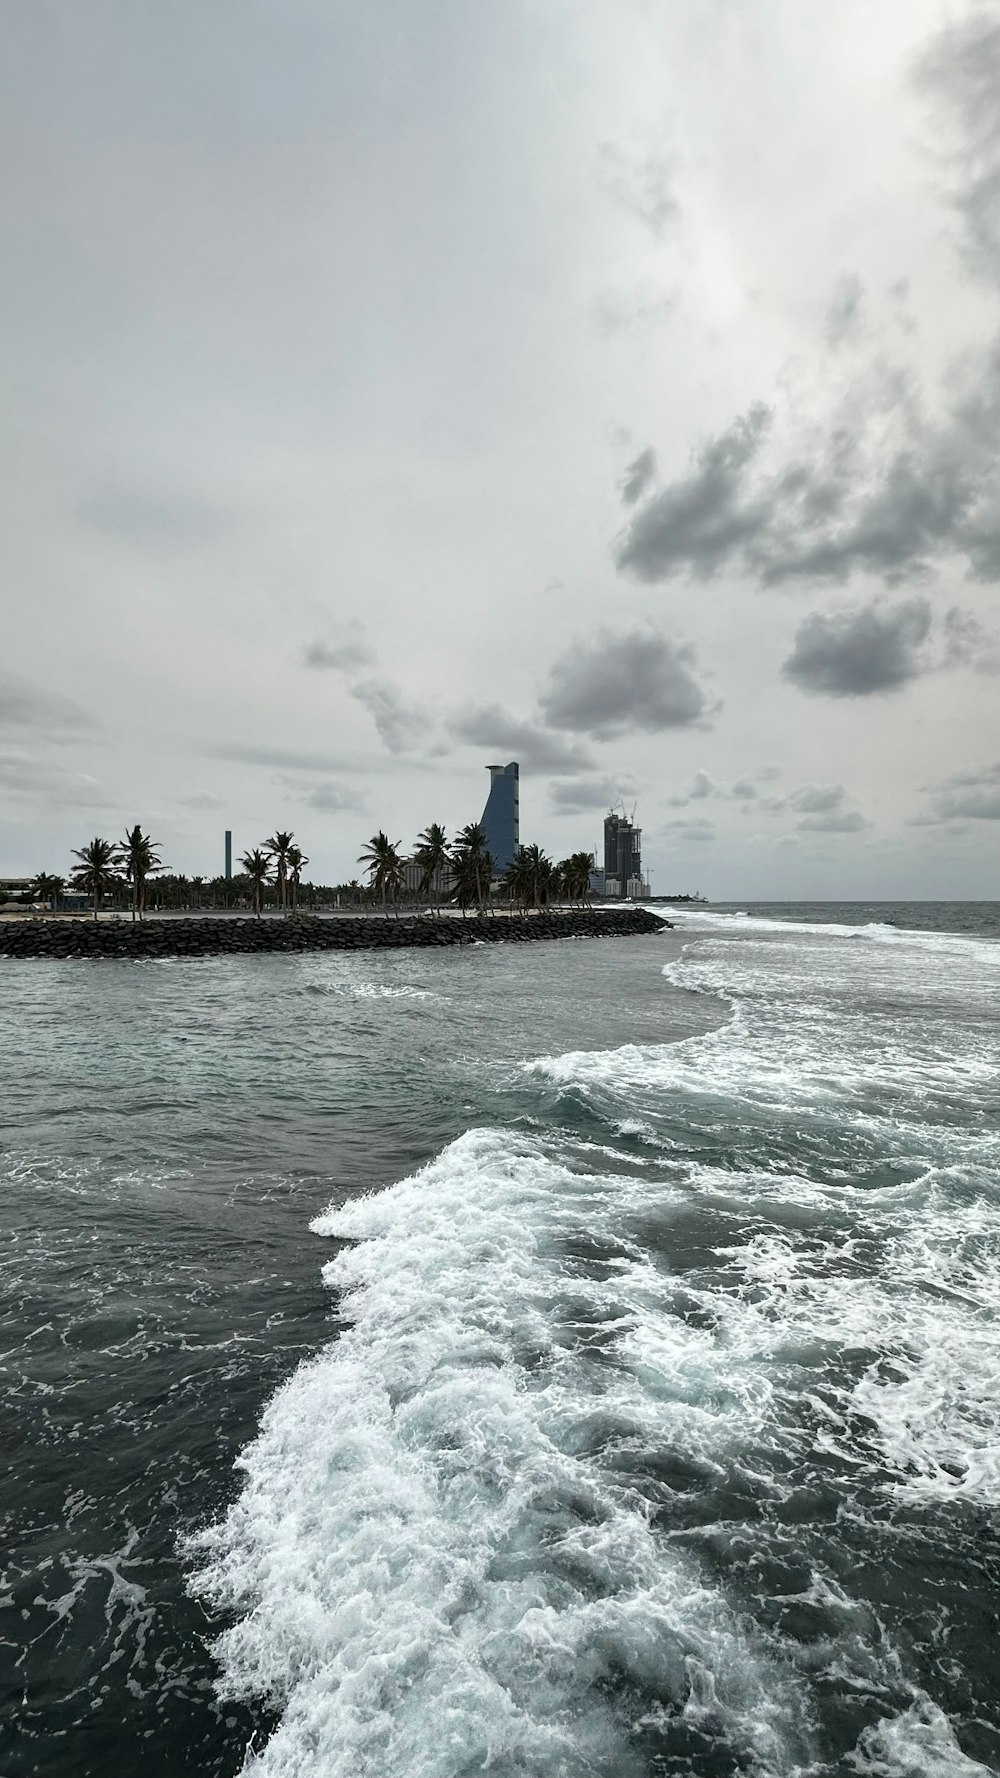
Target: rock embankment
(215, 937)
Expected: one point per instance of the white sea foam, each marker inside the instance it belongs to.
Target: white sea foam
(918, 1743)
(441, 1561)
(434, 1572)
(873, 931)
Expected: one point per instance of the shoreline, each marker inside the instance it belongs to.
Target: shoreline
(221, 935)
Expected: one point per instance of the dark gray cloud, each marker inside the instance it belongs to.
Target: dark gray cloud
(877, 488)
(512, 737)
(695, 828)
(701, 786)
(638, 476)
(700, 521)
(845, 313)
(400, 723)
(960, 73)
(837, 821)
(251, 753)
(343, 651)
(581, 795)
(618, 683)
(852, 654)
(968, 643)
(331, 798)
(817, 799)
(162, 522)
(26, 709)
(744, 789)
(972, 794)
(44, 782)
(823, 809)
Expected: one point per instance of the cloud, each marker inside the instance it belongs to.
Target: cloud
(972, 794)
(817, 799)
(638, 476)
(873, 486)
(23, 774)
(960, 73)
(702, 786)
(252, 754)
(744, 789)
(617, 683)
(844, 315)
(649, 305)
(822, 809)
(400, 724)
(331, 797)
(532, 745)
(702, 519)
(27, 709)
(853, 654)
(201, 799)
(160, 522)
(579, 795)
(640, 184)
(343, 653)
(695, 828)
(968, 643)
(837, 821)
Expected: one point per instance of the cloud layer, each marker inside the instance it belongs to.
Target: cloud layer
(616, 684)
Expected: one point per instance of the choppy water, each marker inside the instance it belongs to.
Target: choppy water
(649, 1424)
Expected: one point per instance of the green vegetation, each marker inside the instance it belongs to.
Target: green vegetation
(384, 865)
(47, 888)
(459, 873)
(97, 872)
(257, 869)
(138, 858)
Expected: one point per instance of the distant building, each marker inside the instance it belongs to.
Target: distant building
(623, 858)
(501, 816)
(440, 886)
(229, 854)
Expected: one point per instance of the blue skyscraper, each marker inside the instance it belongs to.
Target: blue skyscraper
(501, 818)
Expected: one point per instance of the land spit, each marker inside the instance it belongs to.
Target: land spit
(219, 935)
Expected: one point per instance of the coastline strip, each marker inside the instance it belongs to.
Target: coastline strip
(217, 936)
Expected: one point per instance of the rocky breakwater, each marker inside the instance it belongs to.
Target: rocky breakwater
(214, 937)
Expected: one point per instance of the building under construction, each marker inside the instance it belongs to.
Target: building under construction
(623, 857)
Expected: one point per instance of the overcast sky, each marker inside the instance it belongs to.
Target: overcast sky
(613, 385)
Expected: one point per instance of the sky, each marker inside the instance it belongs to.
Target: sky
(392, 390)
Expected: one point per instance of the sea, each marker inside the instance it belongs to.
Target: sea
(575, 1360)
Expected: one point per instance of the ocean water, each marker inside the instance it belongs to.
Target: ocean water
(581, 1361)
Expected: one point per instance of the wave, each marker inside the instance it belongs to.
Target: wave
(371, 991)
(871, 931)
(518, 1518)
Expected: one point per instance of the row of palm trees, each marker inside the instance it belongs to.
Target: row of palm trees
(462, 870)
(469, 869)
(104, 866)
(286, 860)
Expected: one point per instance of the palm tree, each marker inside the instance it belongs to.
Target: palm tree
(384, 866)
(139, 855)
(472, 863)
(297, 862)
(257, 868)
(277, 847)
(95, 874)
(576, 872)
(432, 856)
(47, 888)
